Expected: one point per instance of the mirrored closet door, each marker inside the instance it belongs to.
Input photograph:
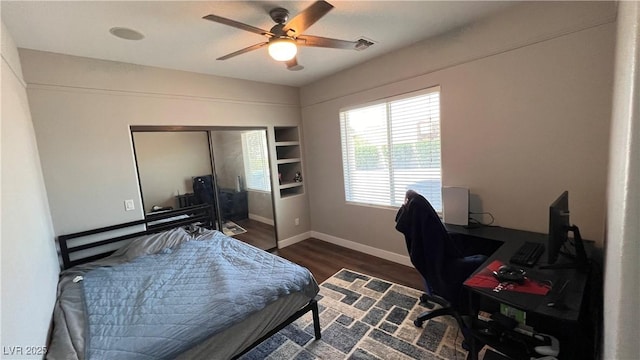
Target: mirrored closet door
(225, 167)
(243, 179)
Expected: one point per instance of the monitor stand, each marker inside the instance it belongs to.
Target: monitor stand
(580, 260)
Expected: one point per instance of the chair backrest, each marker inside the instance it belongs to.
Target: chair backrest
(203, 189)
(430, 248)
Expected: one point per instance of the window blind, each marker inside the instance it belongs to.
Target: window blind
(256, 163)
(391, 146)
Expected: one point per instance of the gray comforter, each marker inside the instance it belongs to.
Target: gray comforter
(159, 300)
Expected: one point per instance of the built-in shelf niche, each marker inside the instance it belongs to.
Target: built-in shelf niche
(288, 160)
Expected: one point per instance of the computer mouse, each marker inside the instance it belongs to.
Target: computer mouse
(508, 273)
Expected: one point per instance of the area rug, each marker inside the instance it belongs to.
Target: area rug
(363, 317)
(230, 228)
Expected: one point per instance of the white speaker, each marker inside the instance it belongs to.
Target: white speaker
(455, 205)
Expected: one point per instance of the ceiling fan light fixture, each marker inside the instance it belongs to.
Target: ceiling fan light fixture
(282, 49)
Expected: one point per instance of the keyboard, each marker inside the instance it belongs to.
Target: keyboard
(528, 254)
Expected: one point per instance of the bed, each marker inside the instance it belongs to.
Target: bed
(173, 292)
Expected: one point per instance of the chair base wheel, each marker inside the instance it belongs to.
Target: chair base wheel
(466, 345)
(424, 301)
(417, 323)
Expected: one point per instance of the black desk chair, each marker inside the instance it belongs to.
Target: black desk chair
(203, 194)
(437, 257)
(203, 189)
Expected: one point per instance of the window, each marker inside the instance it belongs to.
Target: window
(391, 146)
(256, 162)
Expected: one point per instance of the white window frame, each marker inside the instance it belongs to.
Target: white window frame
(256, 165)
(392, 183)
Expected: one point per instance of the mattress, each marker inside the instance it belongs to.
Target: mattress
(175, 295)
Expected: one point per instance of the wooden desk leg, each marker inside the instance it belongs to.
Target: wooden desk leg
(473, 352)
(473, 343)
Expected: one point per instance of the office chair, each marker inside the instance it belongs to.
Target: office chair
(437, 257)
(203, 194)
(203, 189)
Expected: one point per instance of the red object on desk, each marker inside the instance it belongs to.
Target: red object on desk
(485, 279)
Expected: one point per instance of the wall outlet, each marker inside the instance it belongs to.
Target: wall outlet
(296, 221)
(129, 205)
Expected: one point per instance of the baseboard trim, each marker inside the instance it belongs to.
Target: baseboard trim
(294, 239)
(261, 219)
(384, 254)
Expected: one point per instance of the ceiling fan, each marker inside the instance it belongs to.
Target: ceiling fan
(285, 37)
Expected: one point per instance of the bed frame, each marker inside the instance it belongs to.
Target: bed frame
(311, 306)
(154, 223)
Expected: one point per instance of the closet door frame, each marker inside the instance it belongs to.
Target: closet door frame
(208, 129)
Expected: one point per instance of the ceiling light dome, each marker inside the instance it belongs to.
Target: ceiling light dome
(282, 49)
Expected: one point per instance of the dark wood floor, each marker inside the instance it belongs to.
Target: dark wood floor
(324, 259)
(258, 234)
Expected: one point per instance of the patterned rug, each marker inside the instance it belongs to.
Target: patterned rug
(230, 228)
(363, 317)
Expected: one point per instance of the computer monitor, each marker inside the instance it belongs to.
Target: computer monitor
(559, 228)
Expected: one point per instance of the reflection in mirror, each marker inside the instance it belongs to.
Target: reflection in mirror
(243, 179)
(171, 165)
(175, 171)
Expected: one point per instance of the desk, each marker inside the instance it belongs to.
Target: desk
(234, 205)
(186, 200)
(543, 318)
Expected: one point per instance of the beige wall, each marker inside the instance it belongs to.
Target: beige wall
(29, 260)
(525, 114)
(621, 285)
(167, 163)
(82, 109)
(229, 161)
(260, 206)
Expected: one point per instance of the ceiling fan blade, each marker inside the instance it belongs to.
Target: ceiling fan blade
(318, 41)
(236, 24)
(307, 17)
(293, 65)
(242, 51)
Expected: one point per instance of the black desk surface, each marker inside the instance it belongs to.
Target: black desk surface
(512, 239)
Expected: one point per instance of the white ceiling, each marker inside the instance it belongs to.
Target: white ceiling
(176, 36)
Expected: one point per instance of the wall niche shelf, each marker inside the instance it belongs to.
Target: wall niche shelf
(288, 159)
